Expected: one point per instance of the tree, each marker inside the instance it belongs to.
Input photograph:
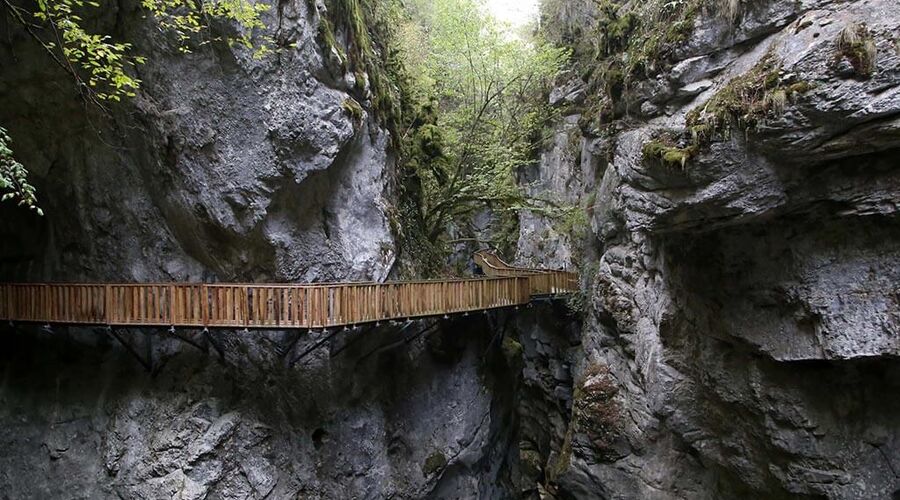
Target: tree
(102, 68)
(482, 113)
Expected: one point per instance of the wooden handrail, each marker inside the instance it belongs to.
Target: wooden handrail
(254, 305)
(541, 281)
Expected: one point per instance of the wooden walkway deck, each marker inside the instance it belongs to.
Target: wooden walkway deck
(281, 306)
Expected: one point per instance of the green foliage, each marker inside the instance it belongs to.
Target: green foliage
(480, 114)
(106, 66)
(856, 44)
(14, 178)
(188, 19)
(104, 62)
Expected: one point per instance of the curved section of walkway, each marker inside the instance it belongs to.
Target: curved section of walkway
(540, 281)
(224, 305)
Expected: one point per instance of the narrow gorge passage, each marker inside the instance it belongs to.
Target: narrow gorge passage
(450, 249)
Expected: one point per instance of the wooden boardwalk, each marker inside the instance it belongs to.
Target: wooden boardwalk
(223, 305)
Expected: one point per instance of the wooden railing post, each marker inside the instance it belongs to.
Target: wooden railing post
(204, 305)
(171, 304)
(107, 304)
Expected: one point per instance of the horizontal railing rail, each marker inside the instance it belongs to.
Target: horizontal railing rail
(255, 305)
(541, 281)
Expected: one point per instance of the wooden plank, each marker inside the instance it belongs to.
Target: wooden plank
(245, 305)
(204, 305)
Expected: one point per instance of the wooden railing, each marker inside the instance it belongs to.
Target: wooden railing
(254, 306)
(276, 306)
(541, 281)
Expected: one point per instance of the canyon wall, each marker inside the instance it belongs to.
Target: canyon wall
(737, 337)
(742, 313)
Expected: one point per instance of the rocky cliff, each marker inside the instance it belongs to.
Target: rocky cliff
(226, 167)
(742, 321)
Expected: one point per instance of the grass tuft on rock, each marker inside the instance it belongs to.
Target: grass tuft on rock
(856, 45)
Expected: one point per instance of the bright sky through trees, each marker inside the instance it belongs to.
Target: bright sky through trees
(515, 12)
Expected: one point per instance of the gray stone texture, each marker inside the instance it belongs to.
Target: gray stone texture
(746, 305)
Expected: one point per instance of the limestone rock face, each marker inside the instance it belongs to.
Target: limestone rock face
(223, 166)
(745, 304)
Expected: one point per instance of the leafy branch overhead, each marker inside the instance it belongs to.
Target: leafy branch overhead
(14, 177)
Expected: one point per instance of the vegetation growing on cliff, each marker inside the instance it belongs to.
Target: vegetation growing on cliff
(629, 41)
(665, 149)
(14, 177)
(746, 102)
(372, 33)
(743, 104)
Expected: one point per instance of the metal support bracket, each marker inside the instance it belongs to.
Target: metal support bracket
(146, 362)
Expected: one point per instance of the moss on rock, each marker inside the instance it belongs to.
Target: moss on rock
(354, 109)
(434, 463)
(664, 150)
(360, 26)
(746, 101)
(512, 350)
